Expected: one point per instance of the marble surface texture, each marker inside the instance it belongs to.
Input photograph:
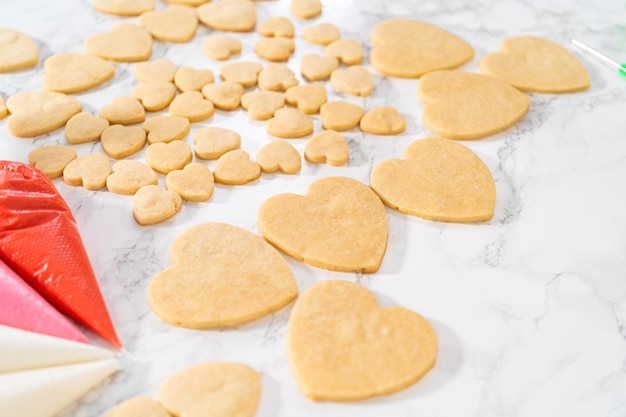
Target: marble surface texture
(529, 307)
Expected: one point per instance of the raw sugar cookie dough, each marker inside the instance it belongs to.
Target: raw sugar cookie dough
(222, 275)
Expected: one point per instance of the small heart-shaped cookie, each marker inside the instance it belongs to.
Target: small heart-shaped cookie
(224, 96)
(192, 79)
(355, 80)
(383, 121)
(166, 157)
(123, 111)
(342, 346)
(129, 176)
(90, 171)
(348, 51)
(84, 127)
(120, 141)
(236, 168)
(222, 275)
(192, 105)
(229, 16)
(51, 159)
(261, 105)
(327, 147)
(321, 34)
(306, 9)
(159, 70)
(177, 23)
(213, 142)
(138, 406)
(244, 73)
(279, 155)
(124, 43)
(212, 389)
(460, 105)
(220, 48)
(289, 123)
(340, 115)
(152, 205)
(340, 224)
(279, 27)
(275, 49)
(192, 183)
(276, 77)
(409, 48)
(316, 67)
(37, 112)
(535, 64)
(166, 128)
(17, 51)
(70, 73)
(438, 179)
(155, 96)
(123, 7)
(308, 97)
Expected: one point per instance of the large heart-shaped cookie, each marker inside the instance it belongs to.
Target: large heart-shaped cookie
(460, 105)
(343, 346)
(71, 73)
(438, 180)
(17, 50)
(37, 112)
(124, 43)
(222, 276)
(152, 205)
(536, 64)
(177, 23)
(340, 224)
(212, 389)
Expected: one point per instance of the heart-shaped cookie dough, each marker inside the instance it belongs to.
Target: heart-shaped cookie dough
(535, 64)
(220, 47)
(244, 73)
(84, 127)
(123, 7)
(155, 96)
(51, 159)
(355, 80)
(306, 9)
(340, 224)
(152, 205)
(213, 142)
(71, 73)
(341, 115)
(276, 77)
(383, 120)
(37, 112)
(279, 155)
(461, 105)
(327, 147)
(17, 51)
(177, 23)
(166, 157)
(409, 48)
(192, 79)
(321, 34)
(275, 49)
(123, 111)
(278, 26)
(90, 171)
(130, 176)
(192, 105)
(261, 105)
(124, 43)
(222, 276)
(236, 168)
(192, 183)
(120, 141)
(230, 16)
(342, 346)
(138, 406)
(438, 179)
(224, 96)
(308, 97)
(159, 70)
(166, 128)
(212, 389)
(289, 123)
(348, 51)
(316, 67)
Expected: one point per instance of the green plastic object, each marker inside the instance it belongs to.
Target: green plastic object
(621, 68)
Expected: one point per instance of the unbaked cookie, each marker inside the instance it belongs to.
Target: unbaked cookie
(276, 77)
(244, 72)
(159, 70)
(275, 49)
(166, 128)
(461, 105)
(230, 16)
(224, 96)
(355, 80)
(261, 105)
(438, 179)
(192, 79)
(306, 9)
(37, 112)
(192, 105)
(340, 224)
(155, 96)
(289, 123)
(129, 176)
(220, 47)
(17, 51)
(51, 159)
(192, 183)
(341, 115)
(177, 23)
(321, 34)
(236, 168)
(279, 155)
(121, 141)
(316, 67)
(166, 157)
(124, 43)
(123, 7)
(278, 26)
(84, 127)
(71, 73)
(90, 171)
(327, 147)
(213, 142)
(123, 111)
(308, 97)
(348, 51)
(153, 205)
(383, 120)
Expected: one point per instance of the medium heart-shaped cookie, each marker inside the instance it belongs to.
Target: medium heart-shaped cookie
(327, 147)
(438, 179)
(276, 77)
(152, 205)
(308, 97)
(155, 96)
(120, 141)
(124, 43)
(165, 157)
(275, 49)
(213, 142)
(231, 16)
(289, 123)
(177, 23)
(17, 50)
(279, 155)
(279, 27)
(70, 73)
(84, 127)
(342, 346)
(261, 105)
(244, 72)
(341, 115)
(321, 34)
(192, 183)
(355, 80)
(306, 9)
(536, 64)
(192, 79)
(316, 67)
(461, 105)
(192, 105)
(130, 176)
(51, 159)
(383, 120)
(220, 47)
(212, 389)
(236, 168)
(166, 128)
(37, 112)
(224, 96)
(159, 70)
(123, 7)
(340, 224)
(222, 276)
(347, 51)
(90, 171)
(123, 111)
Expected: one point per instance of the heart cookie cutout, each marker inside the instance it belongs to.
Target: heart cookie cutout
(37, 112)
(279, 27)
(192, 183)
(317, 68)
(245, 73)
(327, 147)
(340, 225)
(130, 176)
(166, 128)
(152, 205)
(177, 23)
(306, 9)
(123, 111)
(213, 142)
(166, 157)
(275, 49)
(383, 120)
(124, 43)
(438, 179)
(17, 51)
(51, 159)
(236, 168)
(347, 51)
(342, 346)
(261, 105)
(535, 64)
(138, 406)
(120, 141)
(224, 96)
(71, 73)
(355, 80)
(222, 276)
(230, 16)
(192, 105)
(279, 155)
(123, 7)
(159, 70)
(276, 77)
(192, 79)
(341, 115)
(218, 389)
(321, 34)
(90, 171)
(461, 105)
(308, 97)
(289, 123)
(220, 47)
(84, 127)
(155, 96)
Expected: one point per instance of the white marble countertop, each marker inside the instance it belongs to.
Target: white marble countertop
(529, 307)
